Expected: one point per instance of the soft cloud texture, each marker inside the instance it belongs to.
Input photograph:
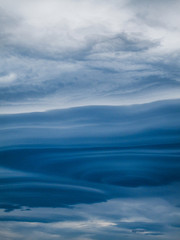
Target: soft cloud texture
(103, 161)
(68, 53)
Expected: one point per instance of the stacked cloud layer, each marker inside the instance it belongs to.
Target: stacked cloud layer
(89, 123)
(70, 169)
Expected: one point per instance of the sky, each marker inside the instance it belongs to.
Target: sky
(59, 54)
(89, 119)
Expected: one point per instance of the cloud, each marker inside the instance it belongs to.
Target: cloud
(125, 125)
(104, 162)
(67, 53)
(127, 218)
(67, 153)
(5, 80)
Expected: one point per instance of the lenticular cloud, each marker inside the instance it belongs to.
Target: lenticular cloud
(89, 123)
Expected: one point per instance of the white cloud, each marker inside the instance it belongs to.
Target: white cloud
(7, 79)
(69, 52)
(116, 217)
(90, 224)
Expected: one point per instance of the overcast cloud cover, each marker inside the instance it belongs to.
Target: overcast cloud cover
(57, 54)
(89, 119)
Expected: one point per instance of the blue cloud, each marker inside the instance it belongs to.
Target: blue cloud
(88, 152)
(89, 123)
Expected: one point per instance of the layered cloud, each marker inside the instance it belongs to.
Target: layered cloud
(66, 53)
(103, 161)
(102, 172)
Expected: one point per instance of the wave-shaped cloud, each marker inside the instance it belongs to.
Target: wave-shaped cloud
(90, 156)
(91, 150)
(89, 123)
(131, 125)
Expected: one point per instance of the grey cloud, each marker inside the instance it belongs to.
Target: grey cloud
(92, 172)
(96, 222)
(98, 66)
